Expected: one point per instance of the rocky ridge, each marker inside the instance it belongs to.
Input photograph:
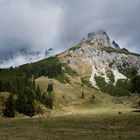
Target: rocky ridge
(97, 55)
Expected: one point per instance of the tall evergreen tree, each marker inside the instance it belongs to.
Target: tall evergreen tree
(30, 105)
(21, 103)
(136, 84)
(9, 110)
(38, 93)
(49, 99)
(50, 88)
(25, 102)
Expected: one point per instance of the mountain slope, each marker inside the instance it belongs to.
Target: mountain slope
(96, 55)
(81, 77)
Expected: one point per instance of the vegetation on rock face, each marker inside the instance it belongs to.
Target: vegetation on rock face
(63, 79)
(75, 47)
(129, 72)
(101, 83)
(123, 51)
(86, 82)
(110, 75)
(70, 71)
(136, 84)
(122, 87)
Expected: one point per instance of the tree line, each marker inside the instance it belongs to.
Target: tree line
(20, 82)
(25, 102)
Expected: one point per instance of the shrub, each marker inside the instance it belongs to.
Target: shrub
(101, 83)
(128, 72)
(63, 79)
(86, 82)
(136, 84)
(70, 71)
(122, 87)
(111, 76)
(75, 47)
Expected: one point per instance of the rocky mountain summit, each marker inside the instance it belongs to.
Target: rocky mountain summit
(102, 39)
(96, 55)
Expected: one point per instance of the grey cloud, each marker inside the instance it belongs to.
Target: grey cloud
(120, 19)
(28, 24)
(41, 24)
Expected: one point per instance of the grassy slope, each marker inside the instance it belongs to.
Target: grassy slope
(68, 99)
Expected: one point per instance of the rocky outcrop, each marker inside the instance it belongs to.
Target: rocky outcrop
(101, 38)
(90, 58)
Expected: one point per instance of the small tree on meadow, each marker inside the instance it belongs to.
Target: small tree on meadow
(83, 96)
(50, 88)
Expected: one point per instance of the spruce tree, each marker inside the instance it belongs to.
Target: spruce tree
(21, 103)
(38, 93)
(9, 110)
(49, 99)
(25, 102)
(50, 88)
(30, 105)
(83, 96)
(136, 84)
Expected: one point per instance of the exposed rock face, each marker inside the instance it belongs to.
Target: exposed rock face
(102, 39)
(115, 44)
(90, 59)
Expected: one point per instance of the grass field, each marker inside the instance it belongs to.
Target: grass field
(125, 126)
(74, 118)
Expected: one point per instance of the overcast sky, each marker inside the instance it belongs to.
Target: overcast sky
(59, 24)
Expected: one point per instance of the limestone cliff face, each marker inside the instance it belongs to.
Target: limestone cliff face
(96, 55)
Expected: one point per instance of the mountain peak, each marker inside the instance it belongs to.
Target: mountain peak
(99, 32)
(101, 38)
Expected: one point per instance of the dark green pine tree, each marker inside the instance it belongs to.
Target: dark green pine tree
(38, 93)
(136, 84)
(1, 86)
(9, 110)
(49, 99)
(21, 103)
(30, 105)
(25, 102)
(33, 83)
(50, 88)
